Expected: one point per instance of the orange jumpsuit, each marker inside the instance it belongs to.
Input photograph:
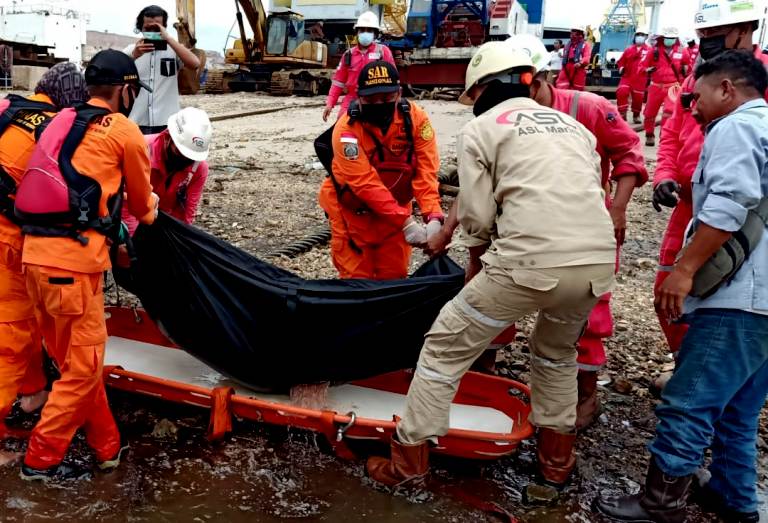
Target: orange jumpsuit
(366, 225)
(64, 279)
(21, 357)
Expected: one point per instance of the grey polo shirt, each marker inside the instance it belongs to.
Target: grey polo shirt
(159, 70)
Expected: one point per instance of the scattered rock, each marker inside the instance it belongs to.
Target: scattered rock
(536, 494)
(165, 429)
(622, 386)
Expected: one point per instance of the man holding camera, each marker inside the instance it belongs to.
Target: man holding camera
(158, 58)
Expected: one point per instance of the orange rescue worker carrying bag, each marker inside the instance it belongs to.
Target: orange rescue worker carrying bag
(55, 200)
(29, 115)
(395, 171)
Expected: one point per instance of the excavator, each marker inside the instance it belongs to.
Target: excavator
(279, 58)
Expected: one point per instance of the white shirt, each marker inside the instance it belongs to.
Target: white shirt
(159, 70)
(556, 60)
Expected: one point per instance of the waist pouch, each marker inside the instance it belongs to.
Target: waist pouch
(726, 262)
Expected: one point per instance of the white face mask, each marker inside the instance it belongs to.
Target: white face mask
(365, 39)
(639, 40)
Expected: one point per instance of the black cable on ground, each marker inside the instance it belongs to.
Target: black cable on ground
(304, 245)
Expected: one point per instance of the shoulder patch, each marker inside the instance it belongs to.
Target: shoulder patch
(426, 132)
(351, 151)
(348, 138)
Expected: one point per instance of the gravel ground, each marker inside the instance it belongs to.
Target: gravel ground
(261, 195)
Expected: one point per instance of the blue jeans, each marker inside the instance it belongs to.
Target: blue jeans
(714, 400)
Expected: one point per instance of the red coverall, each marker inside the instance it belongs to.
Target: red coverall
(345, 78)
(572, 77)
(21, 356)
(191, 181)
(617, 145)
(669, 64)
(679, 151)
(367, 239)
(634, 80)
(694, 54)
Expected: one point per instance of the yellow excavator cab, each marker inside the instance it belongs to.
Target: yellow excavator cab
(236, 55)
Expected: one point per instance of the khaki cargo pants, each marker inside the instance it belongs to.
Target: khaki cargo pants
(487, 305)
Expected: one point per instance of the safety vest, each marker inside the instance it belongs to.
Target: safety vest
(396, 171)
(55, 200)
(576, 55)
(31, 116)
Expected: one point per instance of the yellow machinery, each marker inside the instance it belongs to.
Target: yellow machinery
(189, 79)
(279, 57)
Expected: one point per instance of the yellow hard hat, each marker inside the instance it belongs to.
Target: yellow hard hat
(491, 59)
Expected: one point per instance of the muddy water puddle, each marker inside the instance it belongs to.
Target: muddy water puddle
(265, 474)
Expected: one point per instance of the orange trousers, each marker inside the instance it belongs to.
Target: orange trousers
(363, 246)
(21, 356)
(69, 308)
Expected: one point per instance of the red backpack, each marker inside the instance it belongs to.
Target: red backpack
(55, 200)
(30, 116)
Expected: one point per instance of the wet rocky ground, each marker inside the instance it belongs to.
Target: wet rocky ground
(260, 196)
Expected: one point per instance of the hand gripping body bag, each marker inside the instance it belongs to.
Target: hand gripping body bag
(53, 199)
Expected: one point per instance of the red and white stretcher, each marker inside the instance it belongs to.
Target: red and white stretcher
(488, 419)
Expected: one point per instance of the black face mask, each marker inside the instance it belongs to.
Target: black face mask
(496, 93)
(126, 110)
(379, 114)
(175, 163)
(711, 46)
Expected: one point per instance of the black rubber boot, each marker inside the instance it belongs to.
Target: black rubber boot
(662, 501)
(60, 472)
(709, 500)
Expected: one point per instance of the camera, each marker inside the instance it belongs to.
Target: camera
(155, 40)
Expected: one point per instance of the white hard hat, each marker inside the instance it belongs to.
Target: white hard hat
(581, 28)
(534, 47)
(368, 20)
(714, 13)
(670, 32)
(190, 130)
(491, 59)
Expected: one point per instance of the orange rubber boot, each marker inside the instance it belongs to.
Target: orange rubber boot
(408, 463)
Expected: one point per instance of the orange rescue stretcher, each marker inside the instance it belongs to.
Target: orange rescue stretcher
(489, 416)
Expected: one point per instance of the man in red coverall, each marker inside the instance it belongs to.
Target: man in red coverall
(576, 57)
(633, 80)
(693, 51)
(668, 64)
(623, 164)
(681, 144)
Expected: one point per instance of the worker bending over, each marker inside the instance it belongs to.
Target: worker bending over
(540, 240)
(65, 254)
(179, 168)
(385, 155)
(622, 165)
(22, 121)
(667, 64)
(634, 80)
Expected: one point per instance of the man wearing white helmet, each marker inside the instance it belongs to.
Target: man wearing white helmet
(720, 25)
(576, 57)
(667, 65)
(179, 168)
(537, 244)
(352, 62)
(622, 165)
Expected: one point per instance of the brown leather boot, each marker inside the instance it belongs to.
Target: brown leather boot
(588, 407)
(662, 501)
(636, 118)
(656, 387)
(556, 456)
(408, 463)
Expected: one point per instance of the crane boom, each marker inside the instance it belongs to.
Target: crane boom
(257, 19)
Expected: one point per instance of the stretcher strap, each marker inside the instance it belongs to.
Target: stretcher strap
(329, 430)
(221, 413)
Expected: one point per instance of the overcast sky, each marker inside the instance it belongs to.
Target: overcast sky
(215, 18)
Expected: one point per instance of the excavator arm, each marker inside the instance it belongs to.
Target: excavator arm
(185, 25)
(257, 19)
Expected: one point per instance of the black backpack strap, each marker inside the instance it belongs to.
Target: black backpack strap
(7, 190)
(404, 106)
(347, 58)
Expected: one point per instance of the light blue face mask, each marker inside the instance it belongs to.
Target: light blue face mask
(670, 42)
(365, 39)
(639, 40)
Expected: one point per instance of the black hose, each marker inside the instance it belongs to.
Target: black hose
(304, 245)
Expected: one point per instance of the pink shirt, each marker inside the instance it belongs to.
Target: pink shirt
(345, 77)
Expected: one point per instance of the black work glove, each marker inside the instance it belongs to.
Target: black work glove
(666, 194)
